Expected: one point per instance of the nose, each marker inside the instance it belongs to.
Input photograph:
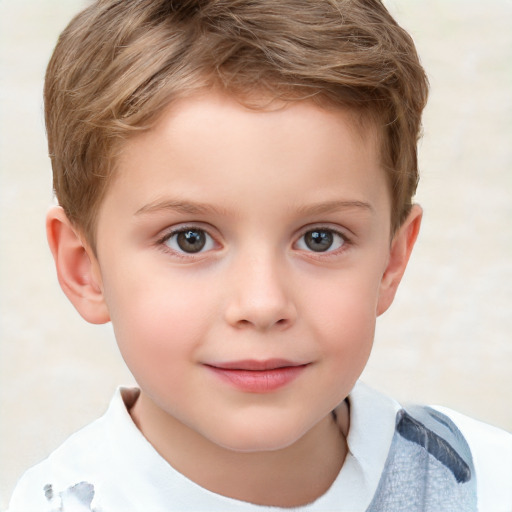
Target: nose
(260, 295)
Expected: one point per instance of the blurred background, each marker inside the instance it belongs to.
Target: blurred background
(445, 341)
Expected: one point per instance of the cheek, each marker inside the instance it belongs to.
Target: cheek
(349, 332)
(345, 302)
(344, 327)
(344, 317)
(157, 325)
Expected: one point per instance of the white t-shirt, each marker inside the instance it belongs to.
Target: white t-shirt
(109, 466)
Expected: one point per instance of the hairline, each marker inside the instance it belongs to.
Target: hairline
(363, 120)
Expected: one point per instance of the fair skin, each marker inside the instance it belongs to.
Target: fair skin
(243, 257)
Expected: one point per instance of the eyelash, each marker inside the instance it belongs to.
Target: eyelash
(163, 241)
(346, 242)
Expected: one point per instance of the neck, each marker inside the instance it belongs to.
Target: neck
(289, 477)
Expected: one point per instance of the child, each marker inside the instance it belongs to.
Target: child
(235, 181)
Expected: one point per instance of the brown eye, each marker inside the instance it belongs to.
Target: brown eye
(320, 240)
(190, 241)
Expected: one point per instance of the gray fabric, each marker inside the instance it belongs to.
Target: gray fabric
(429, 467)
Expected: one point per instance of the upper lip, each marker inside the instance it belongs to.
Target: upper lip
(255, 365)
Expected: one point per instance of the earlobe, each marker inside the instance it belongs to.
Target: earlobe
(77, 267)
(400, 251)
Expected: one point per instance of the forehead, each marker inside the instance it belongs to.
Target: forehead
(212, 143)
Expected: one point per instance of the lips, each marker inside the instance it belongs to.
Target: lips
(253, 376)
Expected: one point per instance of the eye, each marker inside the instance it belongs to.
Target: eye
(190, 241)
(321, 240)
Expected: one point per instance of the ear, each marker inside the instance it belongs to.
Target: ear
(77, 267)
(399, 253)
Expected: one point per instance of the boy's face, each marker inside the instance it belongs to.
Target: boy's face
(241, 257)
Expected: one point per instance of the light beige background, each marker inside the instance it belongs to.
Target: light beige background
(446, 339)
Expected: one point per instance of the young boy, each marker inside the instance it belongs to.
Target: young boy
(235, 181)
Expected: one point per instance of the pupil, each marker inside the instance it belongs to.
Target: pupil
(319, 241)
(191, 241)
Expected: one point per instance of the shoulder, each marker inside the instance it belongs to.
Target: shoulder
(491, 449)
(450, 437)
(74, 471)
(67, 466)
(69, 469)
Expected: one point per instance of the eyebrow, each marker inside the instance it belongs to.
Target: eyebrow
(334, 206)
(195, 208)
(179, 206)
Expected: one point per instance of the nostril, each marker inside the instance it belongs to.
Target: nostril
(243, 323)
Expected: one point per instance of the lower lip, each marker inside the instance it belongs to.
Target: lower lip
(259, 381)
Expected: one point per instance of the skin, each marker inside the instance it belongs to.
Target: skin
(253, 183)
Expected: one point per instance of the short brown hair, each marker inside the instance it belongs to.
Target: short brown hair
(119, 63)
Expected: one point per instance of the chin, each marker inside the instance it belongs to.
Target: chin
(256, 445)
(258, 438)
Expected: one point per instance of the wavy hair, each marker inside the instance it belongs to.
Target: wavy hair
(120, 63)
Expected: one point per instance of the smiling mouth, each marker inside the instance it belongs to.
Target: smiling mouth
(253, 376)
